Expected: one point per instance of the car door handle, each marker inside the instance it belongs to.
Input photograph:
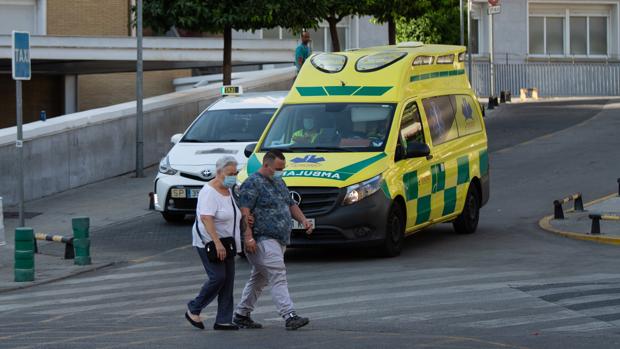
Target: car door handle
(429, 157)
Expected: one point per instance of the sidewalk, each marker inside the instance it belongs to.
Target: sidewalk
(107, 202)
(577, 225)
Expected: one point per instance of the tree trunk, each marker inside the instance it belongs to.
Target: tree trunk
(392, 31)
(227, 67)
(334, 33)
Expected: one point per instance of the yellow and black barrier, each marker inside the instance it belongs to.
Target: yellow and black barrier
(558, 212)
(596, 221)
(68, 241)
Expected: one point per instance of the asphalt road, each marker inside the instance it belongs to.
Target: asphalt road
(510, 285)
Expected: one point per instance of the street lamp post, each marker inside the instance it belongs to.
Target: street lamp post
(139, 111)
(461, 22)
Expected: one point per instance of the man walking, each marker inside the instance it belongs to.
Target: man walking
(303, 51)
(265, 196)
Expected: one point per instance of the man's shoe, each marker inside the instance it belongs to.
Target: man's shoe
(245, 322)
(225, 327)
(294, 321)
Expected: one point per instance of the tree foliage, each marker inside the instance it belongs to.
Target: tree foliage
(224, 16)
(438, 25)
(393, 11)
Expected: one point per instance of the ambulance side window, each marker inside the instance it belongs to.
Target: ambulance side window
(440, 115)
(468, 117)
(410, 126)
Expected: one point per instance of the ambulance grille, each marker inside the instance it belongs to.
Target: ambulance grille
(316, 201)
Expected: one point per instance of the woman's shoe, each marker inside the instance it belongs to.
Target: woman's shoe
(225, 327)
(197, 324)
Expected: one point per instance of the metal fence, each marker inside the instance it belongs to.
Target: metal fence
(551, 80)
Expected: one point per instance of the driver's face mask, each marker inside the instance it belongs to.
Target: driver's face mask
(308, 124)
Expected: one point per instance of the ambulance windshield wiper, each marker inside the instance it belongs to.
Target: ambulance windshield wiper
(321, 149)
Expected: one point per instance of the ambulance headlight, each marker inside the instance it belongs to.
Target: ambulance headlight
(360, 191)
(165, 168)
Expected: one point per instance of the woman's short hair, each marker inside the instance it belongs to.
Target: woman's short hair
(224, 162)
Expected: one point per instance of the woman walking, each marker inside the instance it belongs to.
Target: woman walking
(216, 238)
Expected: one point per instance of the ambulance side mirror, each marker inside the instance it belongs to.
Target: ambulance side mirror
(417, 150)
(249, 149)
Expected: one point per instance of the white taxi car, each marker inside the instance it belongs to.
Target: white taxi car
(224, 128)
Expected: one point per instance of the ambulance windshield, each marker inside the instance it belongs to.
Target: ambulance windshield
(331, 127)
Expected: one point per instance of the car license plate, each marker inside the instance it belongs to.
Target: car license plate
(177, 193)
(299, 226)
(193, 193)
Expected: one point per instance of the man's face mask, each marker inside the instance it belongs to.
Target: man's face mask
(308, 124)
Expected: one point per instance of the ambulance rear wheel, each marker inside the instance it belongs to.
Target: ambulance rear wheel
(467, 221)
(394, 232)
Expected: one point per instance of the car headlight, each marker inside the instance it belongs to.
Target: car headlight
(360, 191)
(165, 168)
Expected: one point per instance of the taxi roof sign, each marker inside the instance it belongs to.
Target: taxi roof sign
(231, 90)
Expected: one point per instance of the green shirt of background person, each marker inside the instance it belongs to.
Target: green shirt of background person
(306, 135)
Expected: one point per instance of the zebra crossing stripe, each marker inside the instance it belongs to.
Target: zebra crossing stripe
(524, 319)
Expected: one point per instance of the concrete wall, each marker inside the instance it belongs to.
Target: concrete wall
(77, 149)
(88, 17)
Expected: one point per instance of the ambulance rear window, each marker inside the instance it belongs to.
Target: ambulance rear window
(378, 61)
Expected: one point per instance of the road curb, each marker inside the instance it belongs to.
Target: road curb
(76, 273)
(545, 224)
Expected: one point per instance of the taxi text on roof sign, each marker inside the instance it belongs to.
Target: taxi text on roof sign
(231, 90)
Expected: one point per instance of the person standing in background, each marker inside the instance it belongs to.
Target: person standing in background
(303, 51)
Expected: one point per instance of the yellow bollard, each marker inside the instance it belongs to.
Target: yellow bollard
(523, 94)
(535, 94)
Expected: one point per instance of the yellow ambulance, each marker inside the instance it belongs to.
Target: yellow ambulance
(379, 144)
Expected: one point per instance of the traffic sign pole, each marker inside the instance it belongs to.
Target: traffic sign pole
(139, 96)
(20, 151)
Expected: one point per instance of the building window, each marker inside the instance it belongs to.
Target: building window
(475, 38)
(587, 35)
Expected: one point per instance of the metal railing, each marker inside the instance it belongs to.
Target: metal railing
(551, 79)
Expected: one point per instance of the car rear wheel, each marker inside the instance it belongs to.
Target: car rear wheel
(173, 217)
(394, 232)
(467, 221)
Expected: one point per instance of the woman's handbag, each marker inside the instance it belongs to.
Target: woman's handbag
(228, 242)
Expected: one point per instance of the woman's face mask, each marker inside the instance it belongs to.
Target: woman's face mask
(308, 124)
(230, 181)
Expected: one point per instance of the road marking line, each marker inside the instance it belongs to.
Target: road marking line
(524, 320)
(585, 327)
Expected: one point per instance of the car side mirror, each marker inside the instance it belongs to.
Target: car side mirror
(417, 150)
(176, 138)
(249, 149)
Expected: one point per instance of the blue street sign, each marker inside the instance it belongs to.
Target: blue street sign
(21, 55)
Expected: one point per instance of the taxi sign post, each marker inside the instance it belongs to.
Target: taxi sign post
(494, 8)
(20, 63)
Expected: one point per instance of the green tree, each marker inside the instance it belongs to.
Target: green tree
(222, 17)
(438, 25)
(394, 11)
(333, 11)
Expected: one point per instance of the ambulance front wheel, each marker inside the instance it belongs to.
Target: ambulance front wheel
(394, 232)
(467, 221)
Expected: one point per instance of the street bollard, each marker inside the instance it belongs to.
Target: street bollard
(2, 235)
(502, 97)
(596, 224)
(508, 97)
(24, 254)
(490, 105)
(81, 240)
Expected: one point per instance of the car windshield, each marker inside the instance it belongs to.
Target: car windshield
(330, 127)
(234, 125)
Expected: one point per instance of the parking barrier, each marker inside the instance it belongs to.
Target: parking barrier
(558, 212)
(81, 240)
(24, 255)
(69, 253)
(524, 92)
(596, 221)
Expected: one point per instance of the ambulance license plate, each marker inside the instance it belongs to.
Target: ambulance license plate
(299, 226)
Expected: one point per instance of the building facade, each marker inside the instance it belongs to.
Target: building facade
(548, 31)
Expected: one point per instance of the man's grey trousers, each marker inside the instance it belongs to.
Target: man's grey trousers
(267, 268)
